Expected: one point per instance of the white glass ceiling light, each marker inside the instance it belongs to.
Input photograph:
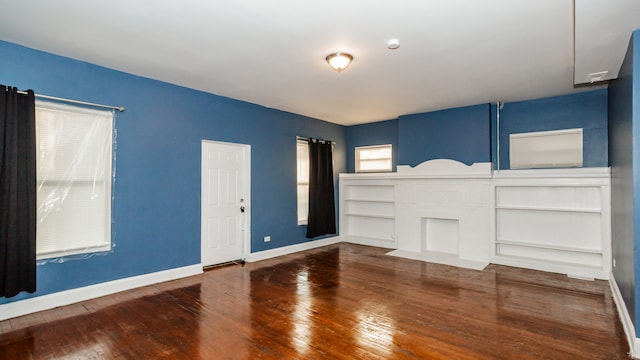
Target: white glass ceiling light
(339, 61)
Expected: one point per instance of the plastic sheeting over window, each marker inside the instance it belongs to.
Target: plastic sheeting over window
(74, 170)
(546, 149)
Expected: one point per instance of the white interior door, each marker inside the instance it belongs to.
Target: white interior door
(225, 201)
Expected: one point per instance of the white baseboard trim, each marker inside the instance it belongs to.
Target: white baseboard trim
(625, 319)
(286, 250)
(68, 297)
(50, 301)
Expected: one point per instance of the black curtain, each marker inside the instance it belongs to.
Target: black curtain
(322, 210)
(17, 192)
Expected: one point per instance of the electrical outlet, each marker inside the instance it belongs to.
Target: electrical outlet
(614, 262)
(267, 238)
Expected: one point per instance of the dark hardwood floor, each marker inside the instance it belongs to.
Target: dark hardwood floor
(338, 302)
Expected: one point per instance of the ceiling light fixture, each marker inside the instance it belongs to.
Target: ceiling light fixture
(339, 60)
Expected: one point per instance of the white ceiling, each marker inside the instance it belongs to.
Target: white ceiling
(602, 32)
(452, 52)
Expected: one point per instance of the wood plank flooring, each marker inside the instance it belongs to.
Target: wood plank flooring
(344, 301)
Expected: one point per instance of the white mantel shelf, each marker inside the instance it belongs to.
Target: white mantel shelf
(432, 169)
(446, 212)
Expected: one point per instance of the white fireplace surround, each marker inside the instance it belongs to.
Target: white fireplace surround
(446, 212)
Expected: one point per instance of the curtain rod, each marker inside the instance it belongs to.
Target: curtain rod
(119, 108)
(307, 139)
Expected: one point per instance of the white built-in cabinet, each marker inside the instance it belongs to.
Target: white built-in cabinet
(367, 210)
(437, 211)
(443, 211)
(554, 220)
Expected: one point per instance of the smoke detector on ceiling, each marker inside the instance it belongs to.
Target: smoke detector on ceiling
(393, 44)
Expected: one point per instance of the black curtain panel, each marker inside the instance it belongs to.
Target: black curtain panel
(322, 210)
(17, 192)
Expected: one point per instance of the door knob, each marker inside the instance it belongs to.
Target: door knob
(241, 208)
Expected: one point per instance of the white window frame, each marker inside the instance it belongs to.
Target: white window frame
(358, 151)
(302, 181)
(59, 234)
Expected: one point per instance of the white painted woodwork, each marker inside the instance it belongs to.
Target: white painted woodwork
(367, 211)
(554, 220)
(443, 211)
(440, 211)
(440, 235)
(625, 319)
(225, 184)
(73, 296)
(445, 168)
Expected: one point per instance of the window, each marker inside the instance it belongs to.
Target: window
(546, 149)
(302, 151)
(373, 158)
(74, 152)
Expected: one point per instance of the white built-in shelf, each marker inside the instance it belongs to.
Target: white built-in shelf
(582, 270)
(364, 238)
(372, 201)
(390, 217)
(534, 208)
(372, 241)
(553, 220)
(440, 258)
(367, 211)
(556, 220)
(550, 247)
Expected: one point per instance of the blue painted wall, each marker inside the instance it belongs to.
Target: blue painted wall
(586, 110)
(461, 134)
(157, 189)
(623, 132)
(378, 133)
(468, 134)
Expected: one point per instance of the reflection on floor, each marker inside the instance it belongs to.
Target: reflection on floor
(341, 301)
